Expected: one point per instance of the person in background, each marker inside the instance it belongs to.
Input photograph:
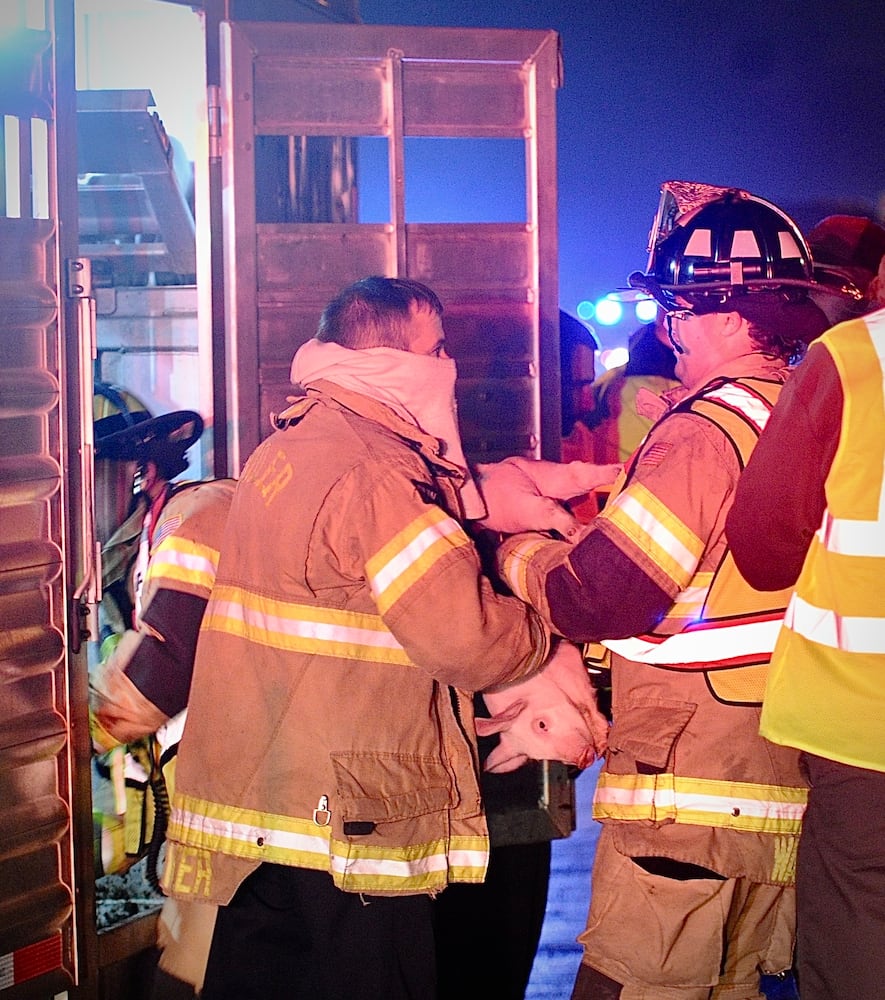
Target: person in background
(617, 419)
(848, 251)
(809, 513)
(327, 785)
(136, 458)
(693, 881)
(577, 366)
(141, 692)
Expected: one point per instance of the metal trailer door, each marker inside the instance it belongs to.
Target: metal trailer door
(45, 552)
(284, 85)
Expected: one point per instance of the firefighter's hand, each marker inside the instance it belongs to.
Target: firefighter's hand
(523, 494)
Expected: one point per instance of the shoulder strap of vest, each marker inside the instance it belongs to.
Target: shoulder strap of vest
(739, 407)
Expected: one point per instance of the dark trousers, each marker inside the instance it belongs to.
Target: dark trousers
(288, 934)
(840, 883)
(487, 935)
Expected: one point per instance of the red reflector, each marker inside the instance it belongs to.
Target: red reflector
(31, 961)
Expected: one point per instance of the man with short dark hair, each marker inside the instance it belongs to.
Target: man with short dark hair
(327, 785)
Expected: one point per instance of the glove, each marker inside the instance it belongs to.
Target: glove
(523, 494)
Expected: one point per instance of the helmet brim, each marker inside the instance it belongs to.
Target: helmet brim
(137, 441)
(827, 281)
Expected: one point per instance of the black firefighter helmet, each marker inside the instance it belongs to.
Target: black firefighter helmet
(125, 431)
(710, 242)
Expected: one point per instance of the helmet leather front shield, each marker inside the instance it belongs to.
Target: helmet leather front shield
(708, 240)
(678, 200)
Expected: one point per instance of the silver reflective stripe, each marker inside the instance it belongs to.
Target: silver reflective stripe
(705, 646)
(826, 628)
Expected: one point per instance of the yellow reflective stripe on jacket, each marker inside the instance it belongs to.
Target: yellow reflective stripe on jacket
(347, 635)
(518, 561)
(412, 553)
(258, 836)
(689, 602)
(668, 798)
(649, 524)
(183, 561)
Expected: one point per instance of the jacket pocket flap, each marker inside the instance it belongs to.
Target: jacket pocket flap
(649, 729)
(384, 788)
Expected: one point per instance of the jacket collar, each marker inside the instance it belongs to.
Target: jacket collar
(427, 445)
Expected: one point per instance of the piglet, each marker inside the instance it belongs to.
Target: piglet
(551, 716)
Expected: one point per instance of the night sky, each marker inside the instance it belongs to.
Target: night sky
(784, 99)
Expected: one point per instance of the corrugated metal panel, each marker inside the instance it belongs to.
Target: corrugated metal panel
(36, 897)
(37, 855)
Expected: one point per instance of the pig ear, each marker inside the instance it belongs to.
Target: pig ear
(503, 759)
(501, 722)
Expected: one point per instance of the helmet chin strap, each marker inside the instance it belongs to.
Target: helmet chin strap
(673, 343)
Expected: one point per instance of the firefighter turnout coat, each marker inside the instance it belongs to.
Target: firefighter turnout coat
(687, 775)
(330, 724)
(146, 679)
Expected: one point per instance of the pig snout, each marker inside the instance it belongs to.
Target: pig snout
(550, 716)
(561, 733)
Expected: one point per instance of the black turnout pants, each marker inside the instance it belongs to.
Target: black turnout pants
(288, 934)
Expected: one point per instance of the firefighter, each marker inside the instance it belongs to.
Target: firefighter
(142, 689)
(326, 744)
(136, 458)
(693, 881)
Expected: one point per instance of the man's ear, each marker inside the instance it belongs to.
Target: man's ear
(733, 323)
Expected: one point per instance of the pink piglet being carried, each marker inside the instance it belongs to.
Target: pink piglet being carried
(552, 715)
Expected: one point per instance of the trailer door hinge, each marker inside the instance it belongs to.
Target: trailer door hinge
(213, 109)
(79, 277)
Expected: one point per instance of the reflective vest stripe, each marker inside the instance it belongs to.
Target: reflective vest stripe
(346, 635)
(702, 648)
(408, 557)
(183, 561)
(739, 398)
(854, 538)
(827, 628)
(699, 802)
(206, 826)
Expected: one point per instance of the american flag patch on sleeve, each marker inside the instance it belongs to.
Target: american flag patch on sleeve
(167, 528)
(655, 453)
